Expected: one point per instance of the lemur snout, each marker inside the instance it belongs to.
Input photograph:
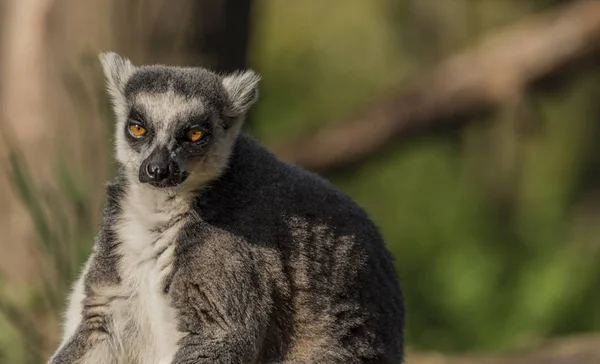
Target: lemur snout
(160, 170)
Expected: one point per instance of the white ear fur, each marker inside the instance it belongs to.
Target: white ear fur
(117, 71)
(242, 89)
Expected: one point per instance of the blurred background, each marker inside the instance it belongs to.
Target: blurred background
(468, 129)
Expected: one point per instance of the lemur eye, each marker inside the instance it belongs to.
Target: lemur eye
(137, 130)
(194, 135)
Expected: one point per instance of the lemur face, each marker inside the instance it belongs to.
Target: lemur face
(173, 120)
(175, 126)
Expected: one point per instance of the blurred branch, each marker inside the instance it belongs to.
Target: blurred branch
(576, 350)
(223, 32)
(471, 82)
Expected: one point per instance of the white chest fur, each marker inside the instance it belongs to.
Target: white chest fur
(145, 322)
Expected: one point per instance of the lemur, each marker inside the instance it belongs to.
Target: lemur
(212, 250)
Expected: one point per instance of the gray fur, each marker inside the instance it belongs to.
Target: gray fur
(248, 260)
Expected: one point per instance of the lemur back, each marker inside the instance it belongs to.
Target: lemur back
(227, 254)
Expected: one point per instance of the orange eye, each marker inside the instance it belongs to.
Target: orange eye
(194, 135)
(137, 130)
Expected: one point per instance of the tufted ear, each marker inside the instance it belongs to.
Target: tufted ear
(117, 71)
(242, 90)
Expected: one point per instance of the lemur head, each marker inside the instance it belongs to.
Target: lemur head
(175, 126)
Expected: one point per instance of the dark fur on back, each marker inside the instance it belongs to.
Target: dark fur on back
(331, 281)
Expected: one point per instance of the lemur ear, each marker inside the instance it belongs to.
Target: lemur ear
(117, 70)
(242, 90)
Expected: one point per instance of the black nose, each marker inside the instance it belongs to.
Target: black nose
(159, 172)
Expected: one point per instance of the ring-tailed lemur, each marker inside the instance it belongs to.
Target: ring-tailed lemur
(211, 250)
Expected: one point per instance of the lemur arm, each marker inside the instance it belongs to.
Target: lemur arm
(86, 334)
(68, 350)
(225, 305)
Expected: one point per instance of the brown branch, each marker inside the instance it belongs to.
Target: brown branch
(487, 75)
(575, 350)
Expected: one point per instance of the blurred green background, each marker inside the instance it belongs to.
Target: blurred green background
(493, 225)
